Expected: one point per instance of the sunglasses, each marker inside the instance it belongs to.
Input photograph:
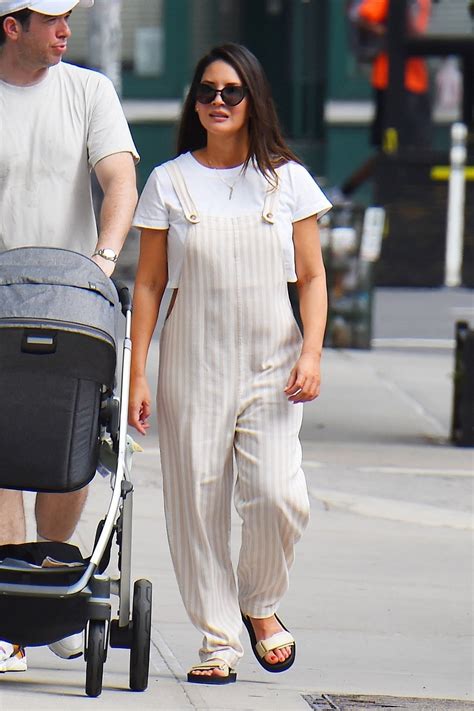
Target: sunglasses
(231, 95)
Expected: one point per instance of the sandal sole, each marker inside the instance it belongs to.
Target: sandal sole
(214, 680)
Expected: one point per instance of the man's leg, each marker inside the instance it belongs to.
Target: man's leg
(12, 517)
(57, 515)
(359, 176)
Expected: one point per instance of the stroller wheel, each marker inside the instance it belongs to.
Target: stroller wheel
(141, 633)
(96, 653)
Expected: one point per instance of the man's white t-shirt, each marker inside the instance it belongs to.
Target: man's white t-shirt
(159, 206)
(51, 136)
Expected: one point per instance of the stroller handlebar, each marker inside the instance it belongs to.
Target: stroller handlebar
(124, 296)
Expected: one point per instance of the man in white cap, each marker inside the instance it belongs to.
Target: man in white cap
(58, 122)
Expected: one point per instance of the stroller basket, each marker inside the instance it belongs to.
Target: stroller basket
(57, 359)
(39, 620)
(32, 620)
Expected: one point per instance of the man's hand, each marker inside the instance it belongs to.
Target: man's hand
(106, 265)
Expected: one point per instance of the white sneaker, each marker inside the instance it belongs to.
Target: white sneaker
(69, 647)
(12, 657)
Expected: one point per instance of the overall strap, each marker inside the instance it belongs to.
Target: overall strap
(182, 192)
(271, 203)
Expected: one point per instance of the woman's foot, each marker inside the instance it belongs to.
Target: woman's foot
(264, 628)
(209, 671)
(273, 645)
(214, 671)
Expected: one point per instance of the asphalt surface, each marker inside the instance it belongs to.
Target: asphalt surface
(381, 590)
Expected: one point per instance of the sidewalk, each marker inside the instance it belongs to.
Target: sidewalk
(381, 591)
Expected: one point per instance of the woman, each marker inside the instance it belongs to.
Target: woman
(226, 224)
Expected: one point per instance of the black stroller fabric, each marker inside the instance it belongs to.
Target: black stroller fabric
(37, 621)
(37, 553)
(58, 316)
(33, 621)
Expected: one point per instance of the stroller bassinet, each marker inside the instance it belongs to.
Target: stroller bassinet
(58, 322)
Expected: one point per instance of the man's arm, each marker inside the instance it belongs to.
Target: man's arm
(116, 176)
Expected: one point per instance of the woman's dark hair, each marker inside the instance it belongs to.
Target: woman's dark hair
(23, 17)
(267, 147)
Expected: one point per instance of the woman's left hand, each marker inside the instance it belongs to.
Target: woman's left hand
(305, 379)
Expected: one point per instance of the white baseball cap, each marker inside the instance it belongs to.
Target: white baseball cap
(45, 7)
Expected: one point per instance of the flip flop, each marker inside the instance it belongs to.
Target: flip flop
(216, 663)
(276, 641)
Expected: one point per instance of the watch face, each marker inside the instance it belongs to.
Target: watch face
(109, 254)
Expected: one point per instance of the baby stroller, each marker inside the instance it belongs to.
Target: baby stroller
(58, 321)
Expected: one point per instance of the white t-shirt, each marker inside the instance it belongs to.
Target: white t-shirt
(51, 135)
(159, 207)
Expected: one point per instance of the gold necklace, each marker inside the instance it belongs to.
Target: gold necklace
(231, 186)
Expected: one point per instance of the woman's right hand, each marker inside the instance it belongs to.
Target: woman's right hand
(139, 409)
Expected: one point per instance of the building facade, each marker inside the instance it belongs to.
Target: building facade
(322, 95)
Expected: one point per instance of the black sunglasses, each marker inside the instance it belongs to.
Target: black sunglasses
(231, 95)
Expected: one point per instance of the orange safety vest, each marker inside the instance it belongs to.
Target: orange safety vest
(416, 72)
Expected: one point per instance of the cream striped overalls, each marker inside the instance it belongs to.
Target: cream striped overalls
(226, 352)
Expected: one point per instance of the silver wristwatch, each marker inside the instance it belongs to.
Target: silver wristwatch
(106, 253)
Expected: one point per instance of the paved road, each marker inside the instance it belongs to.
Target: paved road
(381, 594)
(421, 314)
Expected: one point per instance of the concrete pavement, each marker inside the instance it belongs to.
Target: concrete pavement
(381, 591)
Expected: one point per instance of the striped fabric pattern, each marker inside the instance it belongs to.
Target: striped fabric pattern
(226, 427)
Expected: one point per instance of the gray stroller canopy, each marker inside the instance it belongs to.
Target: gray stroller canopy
(46, 284)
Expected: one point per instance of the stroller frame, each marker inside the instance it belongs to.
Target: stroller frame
(93, 589)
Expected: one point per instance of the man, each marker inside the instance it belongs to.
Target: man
(58, 122)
